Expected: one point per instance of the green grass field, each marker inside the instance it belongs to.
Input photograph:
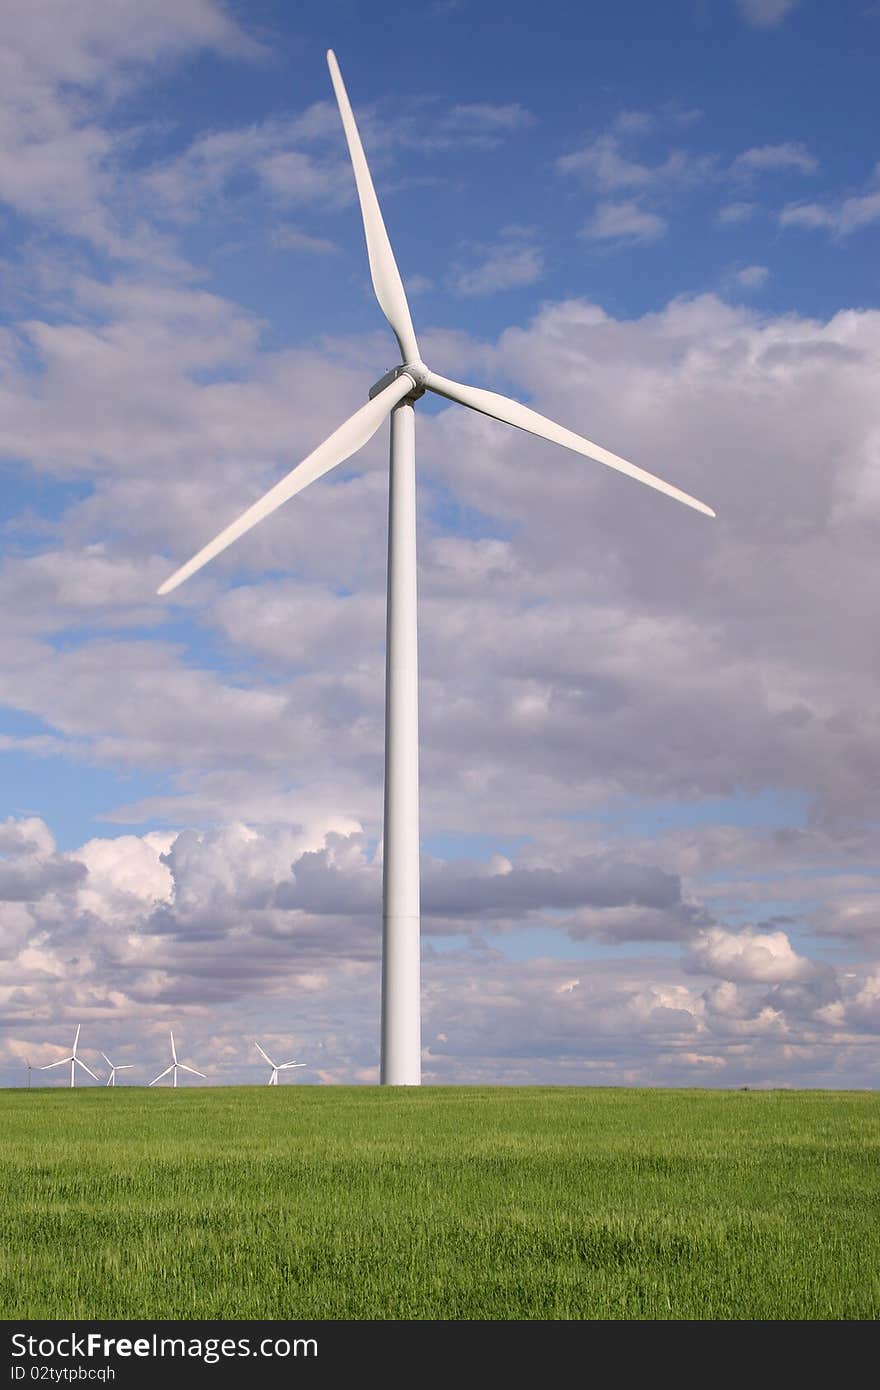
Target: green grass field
(325, 1202)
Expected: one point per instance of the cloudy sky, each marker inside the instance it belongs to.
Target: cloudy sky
(650, 741)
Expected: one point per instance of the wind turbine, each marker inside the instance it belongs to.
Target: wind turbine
(276, 1066)
(73, 1060)
(394, 394)
(28, 1065)
(115, 1067)
(176, 1067)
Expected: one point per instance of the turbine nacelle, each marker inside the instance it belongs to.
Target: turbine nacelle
(417, 372)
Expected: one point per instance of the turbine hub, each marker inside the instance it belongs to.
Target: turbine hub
(417, 373)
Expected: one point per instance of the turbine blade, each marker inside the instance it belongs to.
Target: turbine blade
(63, 1062)
(81, 1063)
(263, 1054)
(173, 1048)
(285, 1066)
(383, 267)
(124, 1066)
(351, 436)
(523, 418)
(161, 1074)
(106, 1059)
(184, 1067)
(76, 1039)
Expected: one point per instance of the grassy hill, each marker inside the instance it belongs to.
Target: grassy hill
(356, 1202)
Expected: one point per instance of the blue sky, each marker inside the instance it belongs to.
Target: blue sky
(657, 224)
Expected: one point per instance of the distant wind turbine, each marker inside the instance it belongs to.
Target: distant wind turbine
(276, 1066)
(28, 1065)
(176, 1067)
(73, 1060)
(394, 394)
(115, 1067)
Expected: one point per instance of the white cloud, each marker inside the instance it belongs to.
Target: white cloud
(476, 116)
(87, 43)
(864, 1007)
(244, 931)
(806, 215)
(701, 1060)
(766, 14)
(126, 876)
(852, 909)
(533, 722)
(268, 156)
(509, 264)
(634, 122)
(59, 64)
(603, 163)
(790, 154)
(625, 221)
(736, 212)
(752, 277)
(841, 218)
(609, 164)
(25, 836)
(471, 125)
(290, 238)
(418, 284)
(748, 956)
(30, 867)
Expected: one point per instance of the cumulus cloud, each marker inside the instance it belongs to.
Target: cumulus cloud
(25, 837)
(124, 877)
(271, 931)
(747, 956)
(30, 867)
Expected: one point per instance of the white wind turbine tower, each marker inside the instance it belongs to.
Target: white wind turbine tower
(276, 1066)
(394, 394)
(73, 1060)
(176, 1067)
(115, 1067)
